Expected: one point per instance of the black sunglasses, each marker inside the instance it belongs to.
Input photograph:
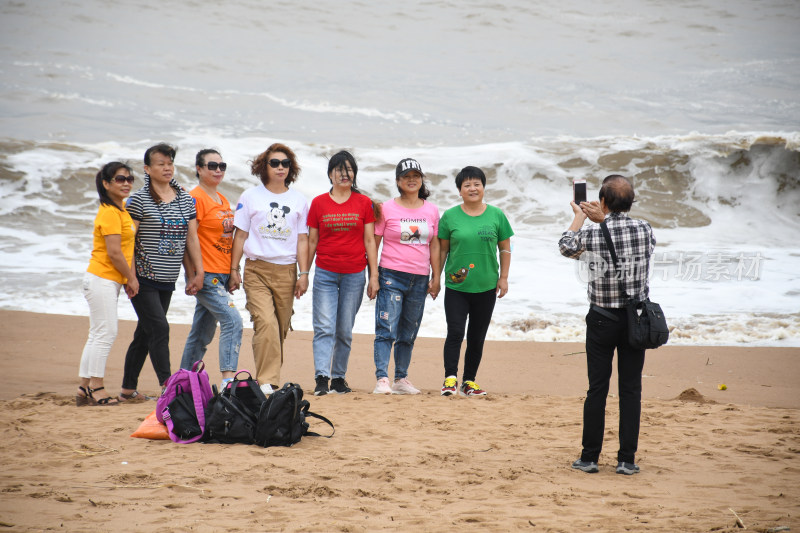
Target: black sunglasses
(212, 165)
(286, 163)
(123, 179)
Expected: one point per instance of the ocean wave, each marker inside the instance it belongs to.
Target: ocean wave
(712, 197)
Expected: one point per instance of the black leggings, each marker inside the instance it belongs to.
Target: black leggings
(151, 335)
(458, 306)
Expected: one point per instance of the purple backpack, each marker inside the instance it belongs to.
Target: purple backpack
(183, 403)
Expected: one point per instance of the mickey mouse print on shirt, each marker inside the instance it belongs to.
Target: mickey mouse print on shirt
(276, 226)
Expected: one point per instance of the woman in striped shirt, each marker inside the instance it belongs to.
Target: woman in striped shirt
(166, 223)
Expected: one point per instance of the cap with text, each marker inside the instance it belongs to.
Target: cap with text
(405, 166)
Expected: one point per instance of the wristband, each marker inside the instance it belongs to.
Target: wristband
(301, 273)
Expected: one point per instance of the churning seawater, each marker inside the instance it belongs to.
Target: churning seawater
(696, 101)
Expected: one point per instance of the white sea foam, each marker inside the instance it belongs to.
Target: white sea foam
(753, 301)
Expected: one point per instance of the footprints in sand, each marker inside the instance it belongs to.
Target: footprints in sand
(498, 466)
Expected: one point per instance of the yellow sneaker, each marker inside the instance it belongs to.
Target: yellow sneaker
(450, 386)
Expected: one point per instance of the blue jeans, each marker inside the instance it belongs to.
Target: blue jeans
(214, 304)
(336, 299)
(398, 311)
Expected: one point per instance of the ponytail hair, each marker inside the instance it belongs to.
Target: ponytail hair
(107, 174)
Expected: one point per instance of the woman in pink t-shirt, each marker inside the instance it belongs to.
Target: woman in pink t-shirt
(341, 233)
(408, 227)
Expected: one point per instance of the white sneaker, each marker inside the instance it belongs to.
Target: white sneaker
(403, 386)
(382, 387)
(266, 388)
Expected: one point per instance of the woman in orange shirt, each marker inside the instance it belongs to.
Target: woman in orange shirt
(110, 268)
(214, 304)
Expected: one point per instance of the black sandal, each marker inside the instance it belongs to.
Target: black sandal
(108, 400)
(82, 400)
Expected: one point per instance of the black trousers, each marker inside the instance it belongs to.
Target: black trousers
(458, 306)
(151, 335)
(603, 336)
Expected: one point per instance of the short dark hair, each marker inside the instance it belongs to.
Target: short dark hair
(618, 193)
(163, 149)
(340, 161)
(468, 173)
(200, 158)
(107, 174)
(160, 148)
(260, 164)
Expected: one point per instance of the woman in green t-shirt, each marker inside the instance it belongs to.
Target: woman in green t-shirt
(470, 235)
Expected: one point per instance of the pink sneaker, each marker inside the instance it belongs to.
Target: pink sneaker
(403, 386)
(382, 387)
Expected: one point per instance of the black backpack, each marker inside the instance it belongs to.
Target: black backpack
(282, 418)
(182, 413)
(232, 415)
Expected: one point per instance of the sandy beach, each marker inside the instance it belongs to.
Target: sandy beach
(418, 463)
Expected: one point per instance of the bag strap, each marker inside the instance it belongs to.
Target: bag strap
(239, 407)
(252, 384)
(198, 366)
(197, 396)
(320, 417)
(610, 243)
(166, 415)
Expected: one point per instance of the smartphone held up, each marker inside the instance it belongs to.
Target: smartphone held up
(579, 191)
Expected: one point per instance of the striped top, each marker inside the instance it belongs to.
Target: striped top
(161, 238)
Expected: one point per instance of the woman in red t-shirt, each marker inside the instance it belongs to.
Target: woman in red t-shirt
(341, 233)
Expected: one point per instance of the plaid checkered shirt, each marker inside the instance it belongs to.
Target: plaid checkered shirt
(634, 243)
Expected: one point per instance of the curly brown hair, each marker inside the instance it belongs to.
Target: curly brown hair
(260, 165)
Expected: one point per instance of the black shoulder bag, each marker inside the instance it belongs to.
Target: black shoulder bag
(647, 325)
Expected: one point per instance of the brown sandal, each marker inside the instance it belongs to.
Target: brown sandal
(108, 400)
(82, 400)
(134, 397)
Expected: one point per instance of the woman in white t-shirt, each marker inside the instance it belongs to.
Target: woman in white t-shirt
(271, 232)
(408, 227)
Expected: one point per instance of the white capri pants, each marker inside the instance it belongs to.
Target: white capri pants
(102, 295)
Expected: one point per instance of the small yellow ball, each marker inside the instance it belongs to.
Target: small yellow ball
(722, 386)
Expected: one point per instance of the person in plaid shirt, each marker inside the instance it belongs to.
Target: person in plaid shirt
(607, 320)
